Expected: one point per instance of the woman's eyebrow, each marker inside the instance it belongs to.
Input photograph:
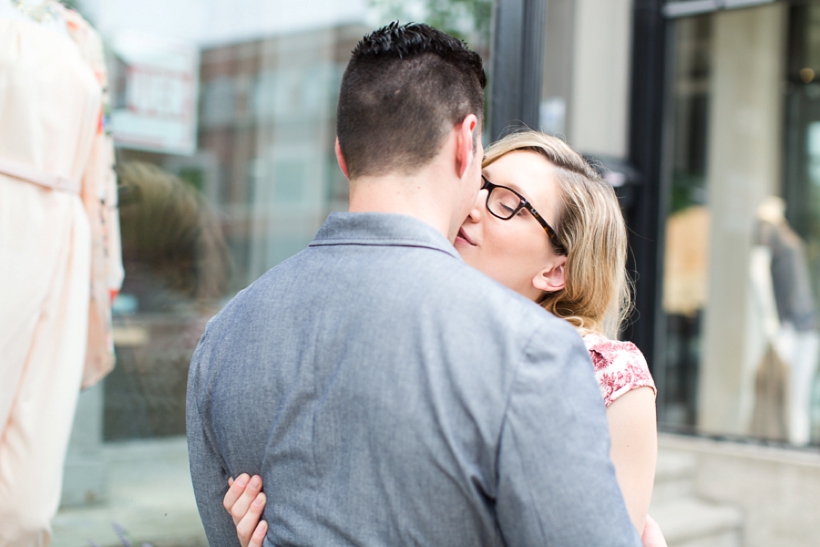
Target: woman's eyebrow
(515, 187)
(510, 185)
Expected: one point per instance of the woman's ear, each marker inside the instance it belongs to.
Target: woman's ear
(551, 278)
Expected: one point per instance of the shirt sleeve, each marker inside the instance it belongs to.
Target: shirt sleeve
(208, 471)
(620, 367)
(556, 483)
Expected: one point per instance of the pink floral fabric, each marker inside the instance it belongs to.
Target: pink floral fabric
(619, 366)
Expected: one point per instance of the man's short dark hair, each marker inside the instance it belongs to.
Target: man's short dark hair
(404, 89)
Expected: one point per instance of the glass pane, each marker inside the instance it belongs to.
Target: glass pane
(740, 334)
(223, 114)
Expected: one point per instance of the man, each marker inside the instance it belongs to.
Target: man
(387, 393)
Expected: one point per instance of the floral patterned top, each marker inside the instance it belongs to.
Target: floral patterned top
(619, 366)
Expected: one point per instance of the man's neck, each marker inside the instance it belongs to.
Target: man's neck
(404, 195)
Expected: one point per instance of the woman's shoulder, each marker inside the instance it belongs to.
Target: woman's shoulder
(619, 366)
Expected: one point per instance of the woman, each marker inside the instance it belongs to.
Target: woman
(534, 183)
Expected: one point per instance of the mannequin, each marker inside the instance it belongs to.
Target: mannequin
(792, 321)
(59, 251)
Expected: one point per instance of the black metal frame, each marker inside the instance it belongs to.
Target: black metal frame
(517, 65)
(646, 218)
(796, 184)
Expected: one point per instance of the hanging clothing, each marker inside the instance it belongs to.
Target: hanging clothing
(686, 261)
(60, 262)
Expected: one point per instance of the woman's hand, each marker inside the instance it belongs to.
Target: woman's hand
(652, 535)
(245, 502)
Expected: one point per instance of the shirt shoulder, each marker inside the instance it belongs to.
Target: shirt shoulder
(619, 366)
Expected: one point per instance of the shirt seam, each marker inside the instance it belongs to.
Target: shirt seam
(507, 406)
(376, 242)
(365, 240)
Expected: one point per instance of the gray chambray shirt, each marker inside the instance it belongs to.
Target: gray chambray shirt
(391, 395)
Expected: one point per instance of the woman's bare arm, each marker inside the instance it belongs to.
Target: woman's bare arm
(634, 436)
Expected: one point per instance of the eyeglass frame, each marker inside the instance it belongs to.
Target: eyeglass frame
(523, 203)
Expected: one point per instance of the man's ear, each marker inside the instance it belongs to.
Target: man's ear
(551, 278)
(465, 149)
(341, 159)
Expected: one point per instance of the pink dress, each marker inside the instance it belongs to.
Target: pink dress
(619, 366)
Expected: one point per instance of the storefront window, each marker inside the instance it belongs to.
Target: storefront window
(740, 343)
(223, 114)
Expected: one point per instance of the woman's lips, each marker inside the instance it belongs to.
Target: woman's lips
(462, 235)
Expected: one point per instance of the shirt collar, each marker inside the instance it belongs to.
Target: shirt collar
(381, 229)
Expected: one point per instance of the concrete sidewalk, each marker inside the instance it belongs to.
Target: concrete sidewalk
(148, 495)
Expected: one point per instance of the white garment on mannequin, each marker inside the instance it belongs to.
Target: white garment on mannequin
(800, 349)
(798, 343)
(8, 10)
(46, 244)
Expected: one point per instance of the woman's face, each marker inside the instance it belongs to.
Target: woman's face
(516, 252)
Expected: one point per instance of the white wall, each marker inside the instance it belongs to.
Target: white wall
(599, 104)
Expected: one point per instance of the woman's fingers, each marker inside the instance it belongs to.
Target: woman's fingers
(240, 495)
(259, 534)
(247, 528)
(235, 490)
(652, 534)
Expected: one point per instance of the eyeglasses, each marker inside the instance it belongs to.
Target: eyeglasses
(505, 203)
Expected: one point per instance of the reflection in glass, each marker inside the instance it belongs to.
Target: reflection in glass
(178, 267)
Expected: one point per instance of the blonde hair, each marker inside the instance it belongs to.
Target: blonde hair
(589, 223)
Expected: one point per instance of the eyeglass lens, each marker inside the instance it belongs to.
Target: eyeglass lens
(503, 203)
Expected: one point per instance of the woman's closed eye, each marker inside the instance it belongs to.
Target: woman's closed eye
(507, 209)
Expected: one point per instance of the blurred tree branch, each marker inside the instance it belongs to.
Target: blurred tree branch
(468, 20)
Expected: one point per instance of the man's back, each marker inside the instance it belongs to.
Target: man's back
(389, 395)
